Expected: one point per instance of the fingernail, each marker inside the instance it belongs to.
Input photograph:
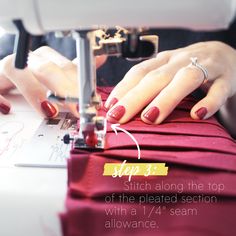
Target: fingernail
(152, 114)
(201, 113)
(48, 109)
(116, 114)
(4, 109)
(112, 102)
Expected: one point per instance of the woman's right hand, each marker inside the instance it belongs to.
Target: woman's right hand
(46, 70)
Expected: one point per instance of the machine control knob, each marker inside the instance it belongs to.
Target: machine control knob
(67, 139)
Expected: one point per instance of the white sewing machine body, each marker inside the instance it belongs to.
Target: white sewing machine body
(41, 16)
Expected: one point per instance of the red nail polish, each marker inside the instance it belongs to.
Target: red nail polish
(115, 114)
(201, 113)
(111, 104)
(4, 109)
(48, 109)
(152, 114)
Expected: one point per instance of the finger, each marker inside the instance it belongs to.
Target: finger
(215, 98)
(52, 76)
(62, 81)
(134, 76)
(30, 87)
(48, 55)
(61, 61)
(57, 73)
(5, 84)
(5, 106)
(142, 94)
(52, 55)
(184, 82)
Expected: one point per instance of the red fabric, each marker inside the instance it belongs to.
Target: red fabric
(87, 218)
(86, 180)
(197, 151)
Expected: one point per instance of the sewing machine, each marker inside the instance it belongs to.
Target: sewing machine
(80, 19)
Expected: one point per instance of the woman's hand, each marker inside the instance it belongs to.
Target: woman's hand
(46, 70)
(156, 86)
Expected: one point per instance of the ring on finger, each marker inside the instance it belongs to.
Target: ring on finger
(194, 62)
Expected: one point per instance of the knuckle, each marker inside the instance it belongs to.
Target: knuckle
(218, 44)
(163, 54)
(182, 55)
(154, 74)
(135, 68)
(141, 68)
(69, 66)
(42, 49)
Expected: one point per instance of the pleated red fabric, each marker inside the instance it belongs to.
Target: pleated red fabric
(198, 153)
